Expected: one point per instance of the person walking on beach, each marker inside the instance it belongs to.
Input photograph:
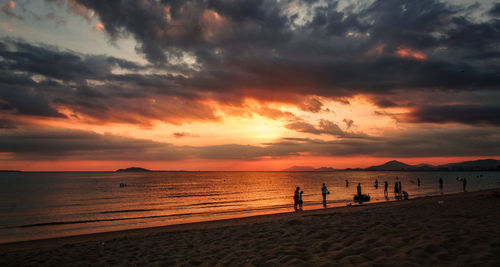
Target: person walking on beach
(385, 188)
(418, 182)
(376, 183)
(441, 185)
(464, 183)
(300, 200)
(346, 183)
(324, 192)
(359, 189)
(296, 198)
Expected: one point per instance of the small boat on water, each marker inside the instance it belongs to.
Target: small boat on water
(361, 198)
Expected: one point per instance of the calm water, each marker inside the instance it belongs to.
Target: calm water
(40, 205)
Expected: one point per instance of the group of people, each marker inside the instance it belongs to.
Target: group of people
(298, 201)
(399, 193)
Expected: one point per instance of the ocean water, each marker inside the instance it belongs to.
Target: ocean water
(35, 205)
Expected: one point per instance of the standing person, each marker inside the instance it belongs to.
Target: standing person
(418, 182)
(300, 200)
(386, 184)
(346, 183)
(296, 198)
(464, 182)
(324, 192)
(396, 187)
(359, 189)
(441, 185)
(376, 183)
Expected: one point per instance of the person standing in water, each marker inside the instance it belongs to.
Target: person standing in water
(441, 185)
(418, 182)
(324, 192)
(296, 198)
(359, 189)
(386, 185)
(376, 183)
(464, 182)
(396, 187)
(346, 183)
(300, 200)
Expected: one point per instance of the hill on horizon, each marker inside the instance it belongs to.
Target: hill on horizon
(394, 165)
(307, 169)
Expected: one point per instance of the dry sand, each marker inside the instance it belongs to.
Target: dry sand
(461, 229)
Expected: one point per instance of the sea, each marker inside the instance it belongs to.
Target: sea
(38, 205)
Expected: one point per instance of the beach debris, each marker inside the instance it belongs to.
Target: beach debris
(349, 204)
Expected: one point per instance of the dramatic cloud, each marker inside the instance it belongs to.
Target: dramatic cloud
(306, 66)
(467, 114)
(324, 127)
(35, 143)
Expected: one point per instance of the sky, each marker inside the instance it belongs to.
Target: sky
(248, 84)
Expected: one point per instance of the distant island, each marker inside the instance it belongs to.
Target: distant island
(134, 169)
(308, 169)
(394, 165)
(10, 171)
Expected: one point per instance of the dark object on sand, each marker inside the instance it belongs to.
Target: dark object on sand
(361, 198)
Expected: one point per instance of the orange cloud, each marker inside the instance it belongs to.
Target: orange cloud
(9, 5)
(407, 52)
(212, 23)
(99, 27)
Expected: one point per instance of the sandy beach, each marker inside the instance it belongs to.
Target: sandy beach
(460, 229)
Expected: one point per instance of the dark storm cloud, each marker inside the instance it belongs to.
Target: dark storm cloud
(263, 47)
(36, 79)
(468, 114)
(265, 50)
(495, 10)
(33, 143)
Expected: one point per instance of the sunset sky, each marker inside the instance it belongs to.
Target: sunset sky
(247, 85)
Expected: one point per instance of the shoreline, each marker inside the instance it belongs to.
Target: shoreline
(454, 229)
(203, 225)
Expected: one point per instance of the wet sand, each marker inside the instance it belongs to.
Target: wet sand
(460, 229)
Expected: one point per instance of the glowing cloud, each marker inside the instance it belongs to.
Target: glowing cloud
(9, 5)
(98, 27)
(407, 52)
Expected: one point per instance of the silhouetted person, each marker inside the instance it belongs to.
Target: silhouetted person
(418, 182)
(464, 183)
(359, 189)
(396, 188)
(300, 200)
(346, 183)
(376, 183)
(386, 185)
(324, 192)
(405, 194)
(441, 185)
(296, 198)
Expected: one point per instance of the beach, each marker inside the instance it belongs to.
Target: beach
(457, 229)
